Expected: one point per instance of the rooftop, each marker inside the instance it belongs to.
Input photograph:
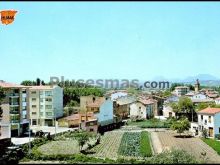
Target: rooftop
(180, 87)
(4, 84)
(41, 87)
(209, 110)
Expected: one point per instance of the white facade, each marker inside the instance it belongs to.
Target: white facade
(168, 111)
(199, 96)
(116, 95)
(210, 122)
(138, 110)
(217, 101)
(46, 104)
(181, 90)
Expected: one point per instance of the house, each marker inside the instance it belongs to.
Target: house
(217, 100)
(15, 118)
(85, 121)
(102, 108)
(196, 95)
(209, 119)
(181, 90)
(46, 105)
(168, 111)
(114, 95)
(143, 109)
(122, 107)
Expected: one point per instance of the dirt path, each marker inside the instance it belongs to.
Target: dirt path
(194, 146)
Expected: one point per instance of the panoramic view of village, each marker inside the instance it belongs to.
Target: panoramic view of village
(109, 83)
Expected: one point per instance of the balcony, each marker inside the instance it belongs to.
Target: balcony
(14, 95)
(15, 112)
(14, 103)
(14, 121)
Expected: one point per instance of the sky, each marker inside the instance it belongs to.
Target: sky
(120, 40)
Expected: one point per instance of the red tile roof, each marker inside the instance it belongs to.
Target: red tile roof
(147, 101)
(209, 110)
(10, 85)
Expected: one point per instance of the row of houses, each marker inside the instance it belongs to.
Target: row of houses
(37, 105)
(109, 111)
(208, 119)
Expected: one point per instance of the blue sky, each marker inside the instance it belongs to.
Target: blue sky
(129, 40)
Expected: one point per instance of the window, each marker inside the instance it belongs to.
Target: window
(48, 93)
(49, 99)
(139, 107)
(41, 100)
(34, 99)
(41, 114)
(48, 106)
(34, 106)
(33, 92)
(205, 122)
(201, 117)
(41, 106)
(49, 113)
(34, 113)
(210, 119)
(34, 122)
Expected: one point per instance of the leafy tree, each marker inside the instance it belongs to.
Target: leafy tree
(43, 83)
(27, 83)
(180, 125)
(74, 93)
(202, 106)
(82, 138)
(183, 107)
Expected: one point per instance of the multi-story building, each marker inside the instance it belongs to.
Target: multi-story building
(102, 108)
(208, 119)
(14, 120)
(181, 90)
(144, 108)
(46, 104)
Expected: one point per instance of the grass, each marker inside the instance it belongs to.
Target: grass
(213, 143)
(149, 124)
(145, 147)
(59, 147)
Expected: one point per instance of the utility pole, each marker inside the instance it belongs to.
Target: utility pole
(29, 138)
(55, 121)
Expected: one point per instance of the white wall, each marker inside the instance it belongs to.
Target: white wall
(135, 111)
(58, 100)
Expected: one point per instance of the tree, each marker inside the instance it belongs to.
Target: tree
(38, 81)
(155, 122)
(183, 106)
(82, 138)
(205, 133)
(43, 83)
(2, 96)
(27, 83)
(180, 125)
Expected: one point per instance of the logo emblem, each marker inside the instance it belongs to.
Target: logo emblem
(7, 16)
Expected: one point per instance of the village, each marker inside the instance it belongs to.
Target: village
(118, 124)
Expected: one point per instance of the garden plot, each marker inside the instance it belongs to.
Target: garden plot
(60, 147)
(109, 144)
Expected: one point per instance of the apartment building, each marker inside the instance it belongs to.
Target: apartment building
(46, 104)
(14, 120)
(181, 90)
